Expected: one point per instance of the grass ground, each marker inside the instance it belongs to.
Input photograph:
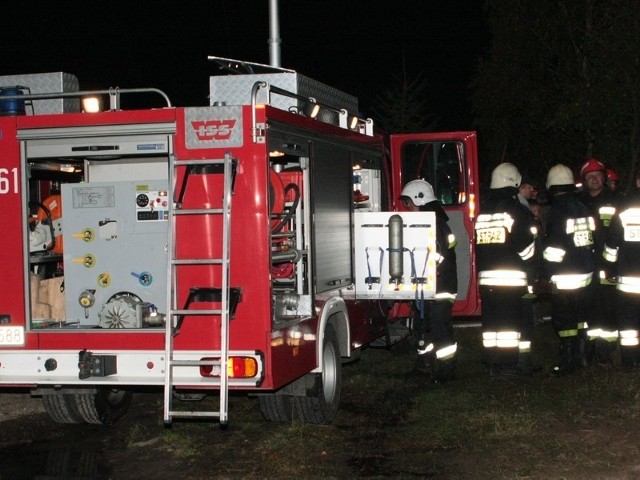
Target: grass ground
(392, 423)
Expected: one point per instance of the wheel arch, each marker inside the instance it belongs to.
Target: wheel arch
(334, 313)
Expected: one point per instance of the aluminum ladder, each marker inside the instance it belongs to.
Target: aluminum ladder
(221, 294)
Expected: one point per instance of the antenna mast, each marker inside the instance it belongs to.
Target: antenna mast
(274, 34)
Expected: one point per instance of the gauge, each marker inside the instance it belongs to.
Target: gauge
(142, 200)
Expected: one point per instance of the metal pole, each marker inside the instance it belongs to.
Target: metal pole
(274, 34)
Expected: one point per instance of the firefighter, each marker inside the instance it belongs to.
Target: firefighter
(434, 329)
(622, 253)
(527, 191)
(602, 331)
(612, 179)
(568, 264)
(507, 261)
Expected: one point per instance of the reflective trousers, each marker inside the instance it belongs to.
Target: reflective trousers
(436, 325)
(505, 310)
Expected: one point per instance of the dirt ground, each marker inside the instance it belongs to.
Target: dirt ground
(392, 423)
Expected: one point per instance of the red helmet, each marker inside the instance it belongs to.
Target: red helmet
(612, 175)
(592, 165)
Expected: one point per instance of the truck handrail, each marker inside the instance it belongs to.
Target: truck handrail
(346, 119)
(254, 100)
(113, 92)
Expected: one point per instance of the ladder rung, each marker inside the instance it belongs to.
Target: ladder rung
(180, 413)
(198, 162)
(194, 363)
(196, 312)
(198, 261)
(198, 211)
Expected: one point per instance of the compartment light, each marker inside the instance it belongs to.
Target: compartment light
(92, 104)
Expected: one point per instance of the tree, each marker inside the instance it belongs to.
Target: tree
(560, 83)
(403, 107)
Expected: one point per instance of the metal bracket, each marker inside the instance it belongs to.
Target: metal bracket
(90, 365)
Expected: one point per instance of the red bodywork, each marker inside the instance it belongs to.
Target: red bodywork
(289, 351)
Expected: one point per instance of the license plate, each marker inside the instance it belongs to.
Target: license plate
(491, 235)
(11, 336)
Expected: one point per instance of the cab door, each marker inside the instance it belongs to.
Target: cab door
(449, 162)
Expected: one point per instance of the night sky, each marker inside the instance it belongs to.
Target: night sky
(355, 45)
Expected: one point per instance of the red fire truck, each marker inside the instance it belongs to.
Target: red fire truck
(250, 244)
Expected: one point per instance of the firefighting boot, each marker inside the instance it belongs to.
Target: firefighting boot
(582, 350)
(604, 352)
(566, 364)
(423, 364)
(524, 367)
(490, 359)
(502, 361)
(444, 371)
(629, 359)
(425, 360)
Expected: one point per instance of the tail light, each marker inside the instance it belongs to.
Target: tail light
(237, 367)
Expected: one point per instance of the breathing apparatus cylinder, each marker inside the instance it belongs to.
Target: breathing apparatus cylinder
(396, 263)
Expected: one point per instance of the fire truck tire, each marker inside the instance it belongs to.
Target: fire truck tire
(320, 405)
(276, 408)
(61, 407)
(103, 407)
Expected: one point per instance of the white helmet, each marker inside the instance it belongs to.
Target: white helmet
(559, 175)
(419, 191)
(505, 175)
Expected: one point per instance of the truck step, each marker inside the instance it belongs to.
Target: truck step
(192, 414)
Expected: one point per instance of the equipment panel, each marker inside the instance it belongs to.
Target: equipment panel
(115, 256)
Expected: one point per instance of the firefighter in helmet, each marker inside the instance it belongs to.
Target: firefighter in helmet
(568, 264)
(601, 201)
(612, 179)
(622, 255)
(433, 326)
(507, 263)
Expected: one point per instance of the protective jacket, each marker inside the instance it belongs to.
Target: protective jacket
(602, 208)
(622, 247)
(568, 243)
(505, 241)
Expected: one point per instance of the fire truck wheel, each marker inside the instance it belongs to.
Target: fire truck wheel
(61, 406)
(103, 407)
(320, 405)
(276, 408)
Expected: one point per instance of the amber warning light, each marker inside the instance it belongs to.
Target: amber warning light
(237, 367)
